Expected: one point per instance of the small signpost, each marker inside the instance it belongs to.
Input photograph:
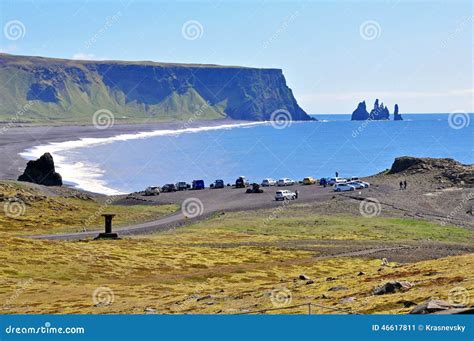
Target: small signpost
(108, 234)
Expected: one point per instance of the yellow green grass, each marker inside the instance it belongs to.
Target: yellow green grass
(298, 221)
(37, 213)
(232, 263)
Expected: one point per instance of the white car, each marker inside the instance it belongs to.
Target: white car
(268, 182)
(285, 182)
(153, 190)
(356, 184)
(285, 195)
(334, 181)
(363, 183)
(343, 187)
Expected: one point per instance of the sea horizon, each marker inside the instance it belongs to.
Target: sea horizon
(82, 170)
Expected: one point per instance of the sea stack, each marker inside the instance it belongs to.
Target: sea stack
(361, 113)
(396, 115)
(42, 172)
(379, 112)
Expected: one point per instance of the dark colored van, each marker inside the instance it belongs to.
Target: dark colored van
(198, 184)
(241, 182)
(219, 184)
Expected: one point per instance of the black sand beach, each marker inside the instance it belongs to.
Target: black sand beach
(14, 140)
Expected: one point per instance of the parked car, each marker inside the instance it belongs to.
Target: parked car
(198, 184)
(182, 186)
(285, 182)
(168, 188)
(333, 181)
(219, 184)
(241, 182)
(364, 183)
(356, 184)
(309, 181)
(324, 181)
(285, 195)
(153, 190)
(268, 182)
(343, 187)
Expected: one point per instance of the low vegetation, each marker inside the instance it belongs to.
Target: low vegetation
(232, 263)
(28, 210)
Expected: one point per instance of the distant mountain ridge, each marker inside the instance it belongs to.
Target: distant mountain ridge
(37, 89)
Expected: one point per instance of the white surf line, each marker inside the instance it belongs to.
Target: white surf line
(89, 177)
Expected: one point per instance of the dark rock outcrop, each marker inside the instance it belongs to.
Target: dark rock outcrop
(378, 113)
(441, 307)
(142, 90)
(391, 287)
(361, 113)
(42, 172)
(396, 115)
(446, 168)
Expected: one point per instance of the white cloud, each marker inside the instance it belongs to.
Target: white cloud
(8, 49)
(84, 56)
(409, 101)
(361, 95)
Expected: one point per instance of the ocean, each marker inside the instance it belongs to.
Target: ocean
(129, 163)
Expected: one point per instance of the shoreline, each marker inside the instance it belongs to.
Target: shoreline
(20, 144)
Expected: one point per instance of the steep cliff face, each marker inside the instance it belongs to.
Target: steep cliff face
(45, 89)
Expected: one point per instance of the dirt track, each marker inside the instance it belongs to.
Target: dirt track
(422, 200)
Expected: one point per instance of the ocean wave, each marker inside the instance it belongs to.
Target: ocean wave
(89, 176)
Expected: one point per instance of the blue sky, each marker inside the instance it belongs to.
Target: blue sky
(334, 54)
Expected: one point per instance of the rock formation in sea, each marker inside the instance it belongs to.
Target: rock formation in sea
(361, 113)
(61, 90)
(396, 115)
(379, 112)
(42, 172)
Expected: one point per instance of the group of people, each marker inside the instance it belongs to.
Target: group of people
(403, 184)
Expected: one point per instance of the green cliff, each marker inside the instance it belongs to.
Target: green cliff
(46, 90)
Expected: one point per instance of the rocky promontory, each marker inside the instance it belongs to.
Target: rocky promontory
(448, 169)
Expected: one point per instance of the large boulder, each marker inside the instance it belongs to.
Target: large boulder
(42, 172)
(392, 287)
(441, 307)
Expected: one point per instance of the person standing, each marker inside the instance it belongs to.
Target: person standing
(405, 184)
(401, 185)
(337, 174)
(296, 194)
